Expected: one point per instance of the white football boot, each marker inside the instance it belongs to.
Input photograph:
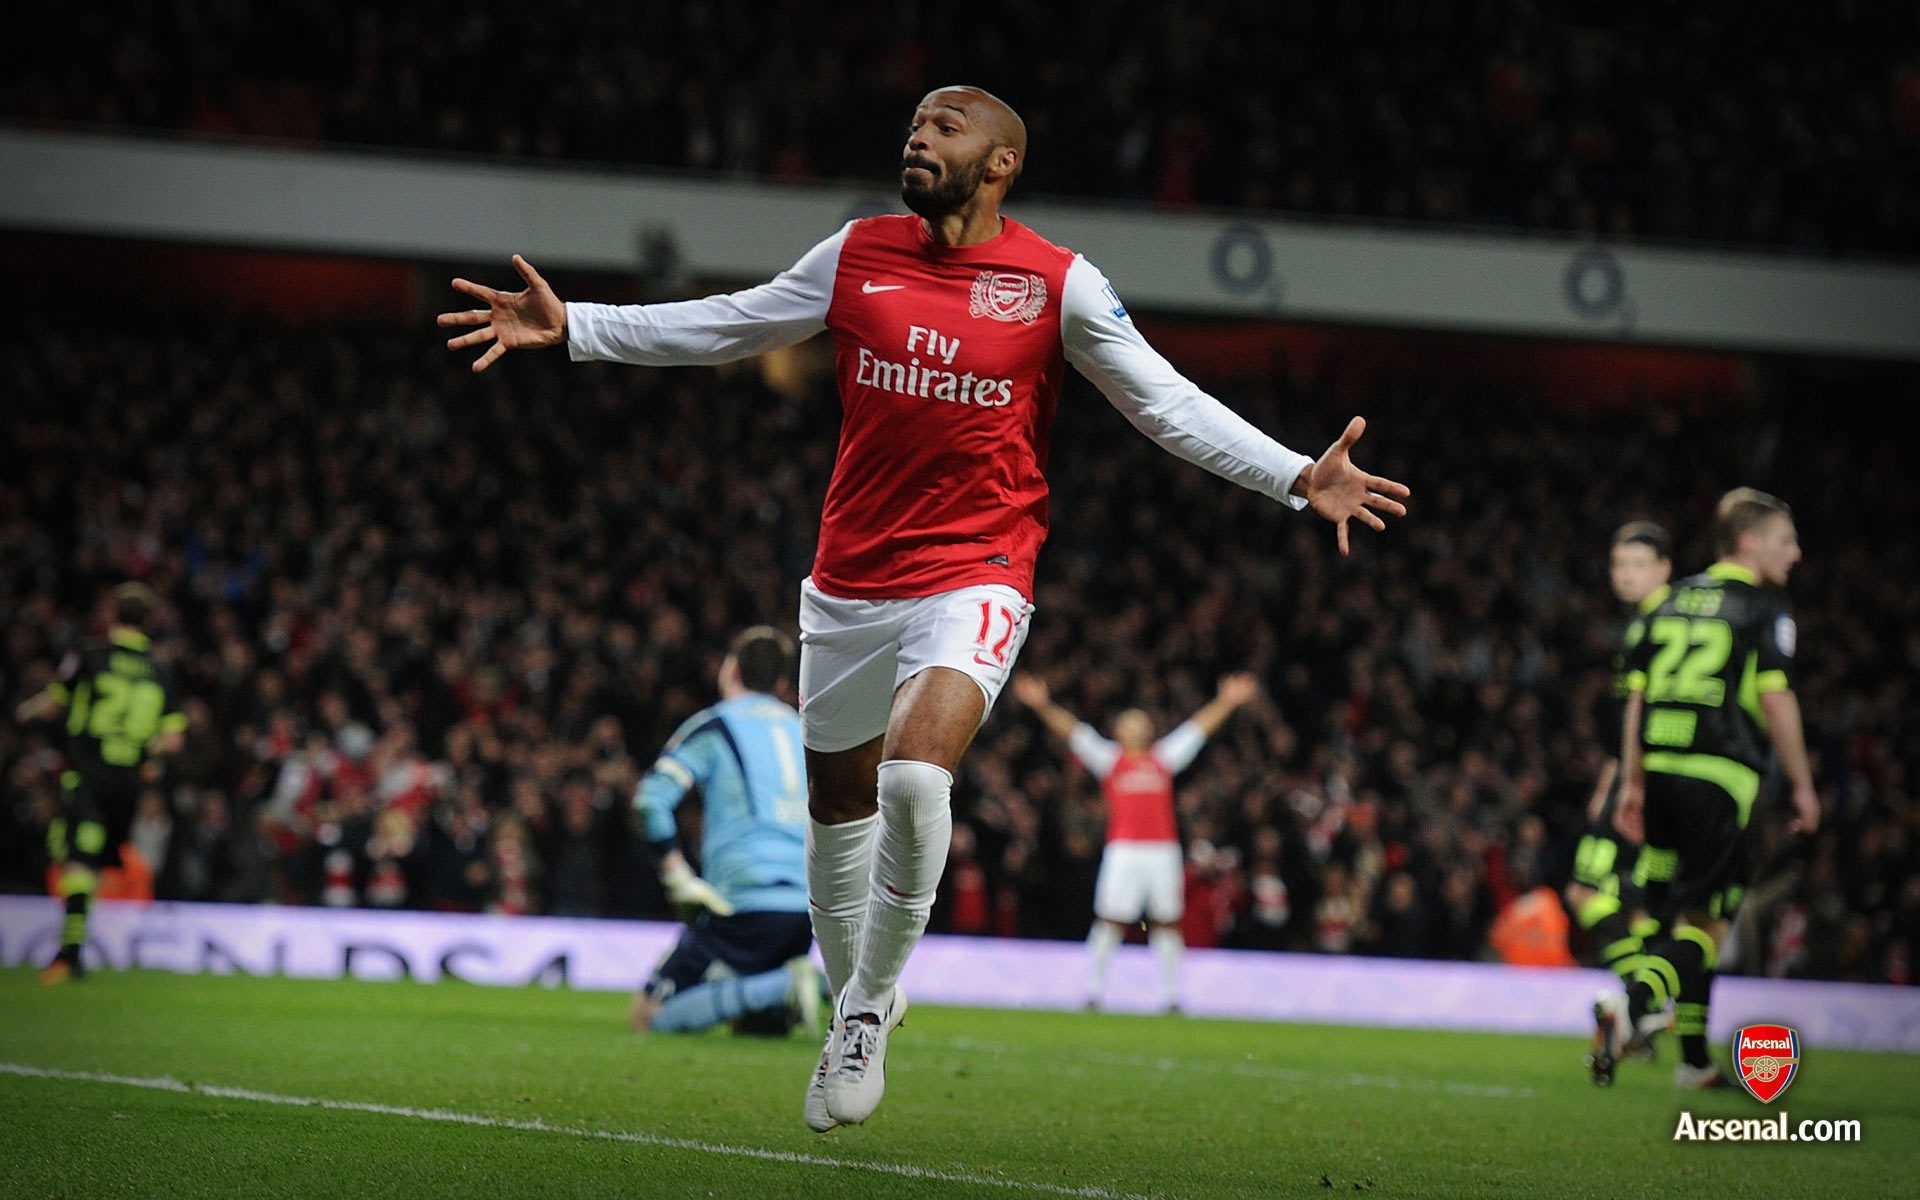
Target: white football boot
(815, 1109)
(857, 1072)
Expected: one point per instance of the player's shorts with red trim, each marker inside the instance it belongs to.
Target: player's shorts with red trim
(854, 654)
(1140, 880)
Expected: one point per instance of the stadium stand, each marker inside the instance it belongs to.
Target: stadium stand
(432, 626)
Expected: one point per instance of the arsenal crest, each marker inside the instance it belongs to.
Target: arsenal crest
(1005, 296)
(1766, 1058)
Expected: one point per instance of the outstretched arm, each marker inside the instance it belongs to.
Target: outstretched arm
(1101, 342)
(1341, 492)
(787, 309)
(1178, 749)
(525, 320)
(1031, 691)
(1096, 753)
(1235, 690)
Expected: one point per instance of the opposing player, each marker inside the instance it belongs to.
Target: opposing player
(743, 957)
(1711, 687)
(1141, 871)
(121, 709)
(953, 328)
(1601, 896)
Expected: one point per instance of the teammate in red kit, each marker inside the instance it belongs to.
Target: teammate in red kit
(953, 328)
(1141, 876)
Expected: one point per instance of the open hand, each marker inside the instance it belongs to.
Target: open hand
(1340, 491)
(1030, 690)
(524, 320)
(1239, 688)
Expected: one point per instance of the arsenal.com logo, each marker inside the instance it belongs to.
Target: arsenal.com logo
(1005, 296)
(1766, 1057)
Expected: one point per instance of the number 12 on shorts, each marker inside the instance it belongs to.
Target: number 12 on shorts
(987, 643)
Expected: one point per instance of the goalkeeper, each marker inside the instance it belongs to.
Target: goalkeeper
(743, 958)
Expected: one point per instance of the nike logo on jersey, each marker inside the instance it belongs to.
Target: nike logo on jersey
(870, 287)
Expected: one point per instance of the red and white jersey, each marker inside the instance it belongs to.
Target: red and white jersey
(1138, 784)
(950, 361)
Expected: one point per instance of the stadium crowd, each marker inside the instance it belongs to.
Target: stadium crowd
(1770, 124)
(432, 628)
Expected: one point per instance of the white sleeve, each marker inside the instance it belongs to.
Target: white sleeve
(789, 308)
(1178, 749)
(1102, 343)
(1095, 752)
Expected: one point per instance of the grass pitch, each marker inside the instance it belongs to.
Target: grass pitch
(150, 1084)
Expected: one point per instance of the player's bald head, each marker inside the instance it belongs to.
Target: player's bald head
(986, 111)
(1133, 729)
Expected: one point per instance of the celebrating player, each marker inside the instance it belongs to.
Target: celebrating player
(744, 955)
(952, 330)
(1141, 869)
(1710, 688)
(1601, 896)
(118, 703)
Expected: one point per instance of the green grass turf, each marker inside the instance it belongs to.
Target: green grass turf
(1140, 1106)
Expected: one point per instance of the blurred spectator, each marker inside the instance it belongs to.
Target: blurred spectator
(1397, 926)
(199, 860)
(1214, 893)
(1337, 912)
(516, 870)
(576, 848)
(393, 860)
(151, 831)
(1270, 901)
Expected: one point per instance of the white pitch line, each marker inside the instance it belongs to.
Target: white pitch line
(163, 1083)
(1075, 1062)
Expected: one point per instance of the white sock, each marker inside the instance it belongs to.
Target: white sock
(1167, 946)
(839, 876)
(916, 833)
(1102, 940)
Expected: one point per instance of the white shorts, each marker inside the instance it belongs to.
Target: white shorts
(1140, 879)
(854, 654)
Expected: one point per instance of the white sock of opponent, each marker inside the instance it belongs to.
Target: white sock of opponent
(1102, 940)
(916, 832)
(839, 878)
(1167, 947)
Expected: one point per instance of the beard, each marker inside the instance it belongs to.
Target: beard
(950, 190)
